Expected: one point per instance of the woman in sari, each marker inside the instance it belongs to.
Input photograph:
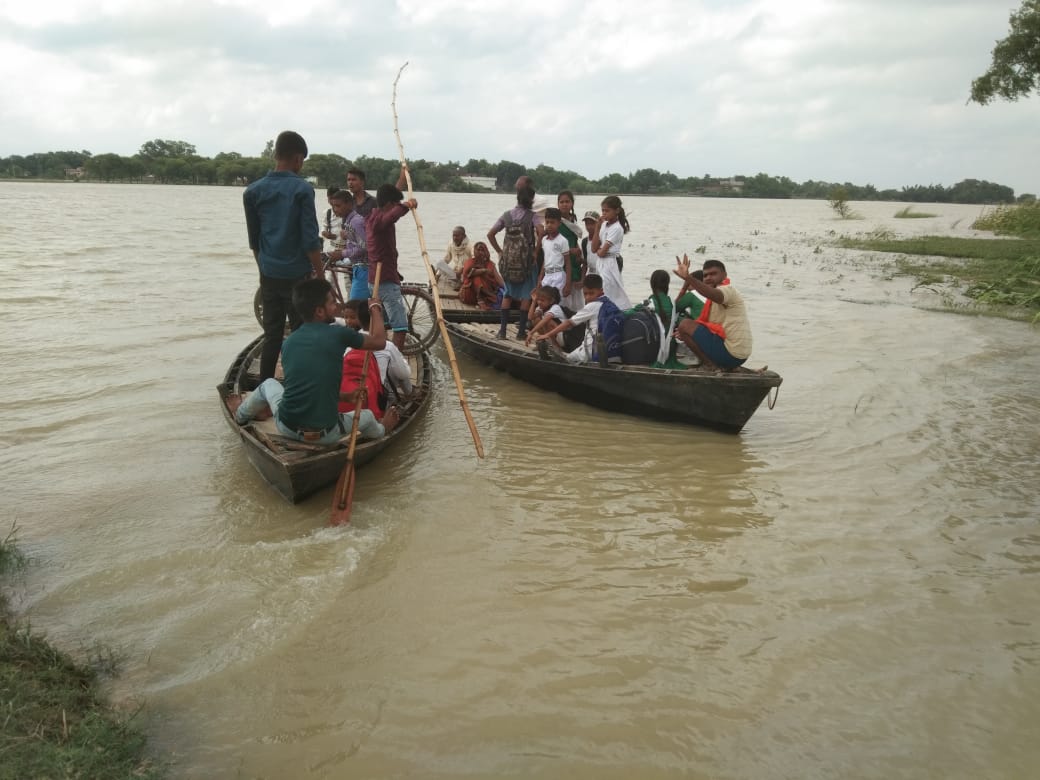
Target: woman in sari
(481, 281)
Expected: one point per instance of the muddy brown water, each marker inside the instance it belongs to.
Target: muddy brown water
(848, 588)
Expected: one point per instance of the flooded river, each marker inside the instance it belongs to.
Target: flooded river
(848, 588)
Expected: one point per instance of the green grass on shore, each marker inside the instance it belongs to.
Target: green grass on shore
(55, 721)
(1001, 275)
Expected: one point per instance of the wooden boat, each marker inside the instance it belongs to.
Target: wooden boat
(724, 401)
(457, 311)
(296, 469)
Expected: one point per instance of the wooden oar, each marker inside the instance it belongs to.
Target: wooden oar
(343, 497)
(433, 283)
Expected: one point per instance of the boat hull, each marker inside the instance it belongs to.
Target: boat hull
(724, 401)
(297, 474)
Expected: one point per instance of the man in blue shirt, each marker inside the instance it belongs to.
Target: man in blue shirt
(282, 224)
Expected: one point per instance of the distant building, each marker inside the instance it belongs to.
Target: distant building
(485, 182)
(74, 173)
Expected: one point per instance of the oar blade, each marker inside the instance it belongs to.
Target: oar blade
(343, 496)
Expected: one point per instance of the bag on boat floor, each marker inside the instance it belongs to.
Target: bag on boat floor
(640, 338)
(517, 258)
(610, 322)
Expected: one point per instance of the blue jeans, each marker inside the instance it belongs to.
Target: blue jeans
(393, 304)
(359, 287)
(270, 393)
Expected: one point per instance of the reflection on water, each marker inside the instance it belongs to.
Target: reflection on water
(847, 588)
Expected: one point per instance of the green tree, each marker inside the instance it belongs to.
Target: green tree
(330, 169)
(159, 148)
(645, 180)
(1015, 71)
(507, 172)
(838, 200)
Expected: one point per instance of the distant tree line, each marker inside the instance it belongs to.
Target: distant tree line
(176, 162)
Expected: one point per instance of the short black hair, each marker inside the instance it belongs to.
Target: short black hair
(593, 282)
(388, 193)
(342, 195)
(360, 307)
(358, 173)
(714, 264)
(308, 295)
(331, 191)
(288, 144)
(553, 213)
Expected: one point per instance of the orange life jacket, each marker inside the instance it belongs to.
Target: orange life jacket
(352, 363)
(714, 327)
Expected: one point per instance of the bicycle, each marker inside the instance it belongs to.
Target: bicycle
(422, 311)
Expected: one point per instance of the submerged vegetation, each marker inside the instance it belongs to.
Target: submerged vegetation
(1022, 220)
(909, 213)
(55, 722)
(838, 200)
(1001, 275)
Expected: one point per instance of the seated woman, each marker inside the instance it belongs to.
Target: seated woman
(481, 281)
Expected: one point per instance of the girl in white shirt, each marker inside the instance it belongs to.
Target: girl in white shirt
(606, 240)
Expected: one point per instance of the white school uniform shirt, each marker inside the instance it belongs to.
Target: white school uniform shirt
(392, 363)
(588, 314)
(553, 249)
(613, 233)
(554, 311)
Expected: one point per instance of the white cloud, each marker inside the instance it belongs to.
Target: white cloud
(859, 90)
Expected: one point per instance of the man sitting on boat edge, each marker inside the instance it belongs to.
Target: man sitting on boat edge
(721, 336)
(305, 407)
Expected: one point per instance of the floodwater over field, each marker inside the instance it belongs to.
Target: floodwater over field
(848, 588)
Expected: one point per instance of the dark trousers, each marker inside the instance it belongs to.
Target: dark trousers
(276, 295)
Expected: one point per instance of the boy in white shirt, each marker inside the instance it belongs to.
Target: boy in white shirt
(592, 288)
(556, 251)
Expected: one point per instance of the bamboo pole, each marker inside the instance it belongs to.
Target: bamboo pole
(433, 282)
(343, 497)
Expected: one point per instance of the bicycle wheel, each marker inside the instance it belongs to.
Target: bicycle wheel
(422, 319)
(258, 307)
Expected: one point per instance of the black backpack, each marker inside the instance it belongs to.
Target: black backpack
(573, 338)
(640, 337)
(517, 249)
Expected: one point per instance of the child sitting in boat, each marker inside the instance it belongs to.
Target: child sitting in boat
(601, 316)
(548, 312)
(687, 305)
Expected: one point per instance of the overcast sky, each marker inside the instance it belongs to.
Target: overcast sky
(867, 91)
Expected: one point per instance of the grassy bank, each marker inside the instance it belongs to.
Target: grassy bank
(1000, 276)
(55, 721)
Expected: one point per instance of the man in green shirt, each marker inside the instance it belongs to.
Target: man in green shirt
(305, 407)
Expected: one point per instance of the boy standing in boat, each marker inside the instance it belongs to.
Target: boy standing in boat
(282, 225)
(381, 236)
(305, 407)
(721, 335)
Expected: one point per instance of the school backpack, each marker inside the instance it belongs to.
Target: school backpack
(517, 249)
(575, 337)
(609, 322)
(640, 337)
